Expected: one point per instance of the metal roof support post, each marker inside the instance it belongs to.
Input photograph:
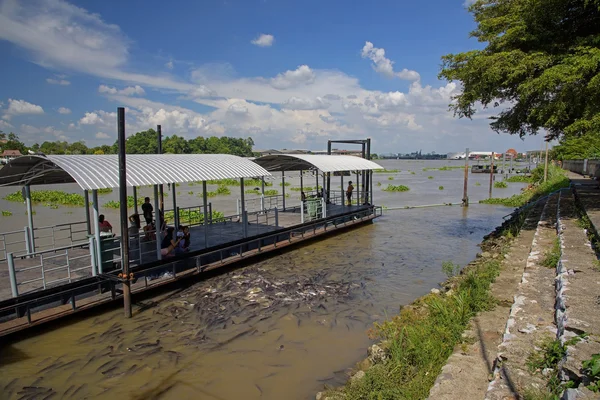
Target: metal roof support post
(86, 198)
(159, 151)
(369, 175)
(31, 248)
(283, 188)
(175, 213)
(123, 202)
(157, 222)
(204, 201)
(97, 229)
(243, 217)
(135, 205)
(317, 178)
(328, 186)
(357, 188)
(262, 193)
(13, 275)
(342, 188)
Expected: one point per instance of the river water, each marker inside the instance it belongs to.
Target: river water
(281, 328)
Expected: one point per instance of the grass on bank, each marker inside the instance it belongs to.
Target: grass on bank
(552, 256)
(130, 203)
(518, 178)
(500, 185)
(422, 337)
(557, 179)
(188, 217)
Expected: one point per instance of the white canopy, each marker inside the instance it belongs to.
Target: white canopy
(324, 163)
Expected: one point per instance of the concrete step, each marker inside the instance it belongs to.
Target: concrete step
(578, 288)
(469, 369)
(531, 319)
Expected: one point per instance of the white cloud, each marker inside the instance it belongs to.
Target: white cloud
(467, 3)
(28, 131)
(62, 82)
(20, 107)
(102, 135)
(99, 118)
(169, 65)
(128, 91)
(302, 75)
(384, 65)
(296, 103)
(4, 125)
(64, 110)
(263, 40)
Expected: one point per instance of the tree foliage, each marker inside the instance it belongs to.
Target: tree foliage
(578, 147)
(541, 62)
(145, 142)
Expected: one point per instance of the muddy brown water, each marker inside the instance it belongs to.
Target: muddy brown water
(281, 328)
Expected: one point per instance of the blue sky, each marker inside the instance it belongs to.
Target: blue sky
(289, 74)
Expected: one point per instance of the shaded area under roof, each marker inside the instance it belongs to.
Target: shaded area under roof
(324, 163)
(102, 171)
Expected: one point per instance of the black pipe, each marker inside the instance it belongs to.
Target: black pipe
(161, 193)
(123, 209)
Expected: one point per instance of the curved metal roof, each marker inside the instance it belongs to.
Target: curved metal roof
(102, 171)
(324, 163)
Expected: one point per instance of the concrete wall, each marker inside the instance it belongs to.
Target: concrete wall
(590, 168)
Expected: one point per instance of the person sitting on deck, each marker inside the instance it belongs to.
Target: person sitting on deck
(184, 231)
(168, 245)
(150, 232)
(105, 226)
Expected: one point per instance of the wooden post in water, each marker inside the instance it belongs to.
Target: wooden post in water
(546, 164)
(465, 199)
(491, 174)
(123, 207)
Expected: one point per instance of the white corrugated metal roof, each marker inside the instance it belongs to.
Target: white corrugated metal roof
(102, 171)
(324, 163)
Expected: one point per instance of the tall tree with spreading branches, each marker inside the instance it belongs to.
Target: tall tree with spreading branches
(541, 64)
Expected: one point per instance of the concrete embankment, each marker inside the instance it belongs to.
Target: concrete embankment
(547, 319)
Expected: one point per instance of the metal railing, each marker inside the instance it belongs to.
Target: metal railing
(45, 238)
(108, 283)
(46, 268)
(313, 209)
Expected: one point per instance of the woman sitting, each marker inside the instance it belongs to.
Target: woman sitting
(169, 245)
(104, 225)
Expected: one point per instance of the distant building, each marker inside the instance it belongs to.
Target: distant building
(8, 155)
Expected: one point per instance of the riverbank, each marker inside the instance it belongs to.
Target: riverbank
(435, 339)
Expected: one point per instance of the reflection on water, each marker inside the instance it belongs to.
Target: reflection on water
(279, 329)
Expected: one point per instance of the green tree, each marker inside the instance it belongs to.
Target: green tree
(176, 145)
(13, 143)
(145, 142)
(541, 62)
(78, 148)
(586, 146)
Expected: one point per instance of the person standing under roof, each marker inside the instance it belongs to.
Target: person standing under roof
(147, 209)
(349, 191)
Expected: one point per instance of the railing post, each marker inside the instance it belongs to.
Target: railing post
(93, 256)
(238, 212)
(175, 208)
(204, 197)
(97, 230)
(276, 217)
(262, 202)
(324, 206)
(13, 275)
(158, 223)
(86, 199)
(283, 189)
(302, 212)
(27, 240)
(30, 218)
(245, 222)
(210, 221)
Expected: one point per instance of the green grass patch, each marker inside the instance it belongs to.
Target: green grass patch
(440, 187)
(552, 256)
(413, 173)
(551, 352)
(430, 177)
(385, 171)
(378, 184)
(500, 185)
(191, 193)
(130, 203)
(518, 178)
(188, 217)
(477, 183)
(105, 191)
(557, 179)
(6, 213)
(396, 188)
(224, 182)
(450, 269)
(252, 191)
(286, 184)
(256, 182)
(271, 192)
(49, 198)
(390, 178)
(591, 368)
